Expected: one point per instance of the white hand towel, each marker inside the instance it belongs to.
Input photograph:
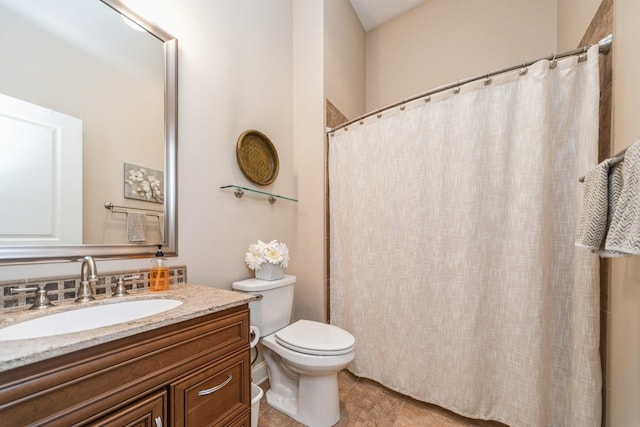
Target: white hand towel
(136, 227)
(624, 232)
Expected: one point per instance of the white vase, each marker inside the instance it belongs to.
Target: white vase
(269, 271)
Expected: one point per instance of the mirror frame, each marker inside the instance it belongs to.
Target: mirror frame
(29, 254)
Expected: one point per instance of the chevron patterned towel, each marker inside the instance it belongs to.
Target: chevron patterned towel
(624, 232)
(616, 180)
(592, 225)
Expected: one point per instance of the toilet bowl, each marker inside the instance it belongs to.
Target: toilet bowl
(303, 358)
(305, 386)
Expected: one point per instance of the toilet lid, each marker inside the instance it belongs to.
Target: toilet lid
(309, 337)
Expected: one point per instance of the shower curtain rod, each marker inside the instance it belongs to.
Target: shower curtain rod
(604, 47)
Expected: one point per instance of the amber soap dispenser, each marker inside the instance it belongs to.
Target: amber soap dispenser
(159, 273)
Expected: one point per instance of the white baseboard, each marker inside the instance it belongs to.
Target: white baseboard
(259, 373)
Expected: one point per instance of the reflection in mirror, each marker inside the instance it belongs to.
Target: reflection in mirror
(87, 117)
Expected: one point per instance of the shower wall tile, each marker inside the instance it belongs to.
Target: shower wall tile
(63, 288)
(602, 25)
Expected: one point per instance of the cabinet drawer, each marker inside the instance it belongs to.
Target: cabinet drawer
(213, 395)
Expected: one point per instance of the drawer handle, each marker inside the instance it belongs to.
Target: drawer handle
(216, 388)
(158, 421)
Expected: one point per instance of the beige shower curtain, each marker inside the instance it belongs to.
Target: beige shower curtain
(452, 247)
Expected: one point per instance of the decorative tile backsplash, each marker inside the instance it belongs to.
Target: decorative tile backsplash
(64, 287)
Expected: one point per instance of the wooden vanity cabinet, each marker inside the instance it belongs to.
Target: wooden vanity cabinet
(194, 373)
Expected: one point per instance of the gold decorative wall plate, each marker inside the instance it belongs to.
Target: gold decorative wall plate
(257, 157)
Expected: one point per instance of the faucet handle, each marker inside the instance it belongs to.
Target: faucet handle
(120, 290)
(41, 298)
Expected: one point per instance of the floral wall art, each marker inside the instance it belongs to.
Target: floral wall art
(142, 183)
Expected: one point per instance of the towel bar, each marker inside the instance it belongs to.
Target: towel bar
(123, 209)
(614, 161)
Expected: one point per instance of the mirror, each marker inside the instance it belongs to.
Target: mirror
(74, 71)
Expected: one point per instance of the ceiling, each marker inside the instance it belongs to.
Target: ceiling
(375, 12)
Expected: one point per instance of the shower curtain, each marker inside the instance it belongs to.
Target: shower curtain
(452, 247)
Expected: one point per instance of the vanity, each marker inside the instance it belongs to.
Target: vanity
(188, 366)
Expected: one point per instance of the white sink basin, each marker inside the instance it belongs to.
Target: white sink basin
(84, 319)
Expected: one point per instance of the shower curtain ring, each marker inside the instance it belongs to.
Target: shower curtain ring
(583, 56)
(379, 113)
(553, 62)
(524, 70)
(457, 88)
(402, 106)
(487, 80)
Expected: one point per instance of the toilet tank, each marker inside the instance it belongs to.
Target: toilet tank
(273, 310)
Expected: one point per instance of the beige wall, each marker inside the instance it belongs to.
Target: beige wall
(574, 17)
(239, 69)
(308, 132)
(440, 42)
(624, 294)
(344, 58)
(96, 89)
(246, 64)
(235, 73)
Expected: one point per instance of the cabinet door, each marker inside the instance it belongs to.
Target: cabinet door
(214, 394)
(242, 421)
(148, 412)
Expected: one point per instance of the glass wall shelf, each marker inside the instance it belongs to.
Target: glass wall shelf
(239, 191)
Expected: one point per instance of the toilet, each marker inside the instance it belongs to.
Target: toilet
(303, 358)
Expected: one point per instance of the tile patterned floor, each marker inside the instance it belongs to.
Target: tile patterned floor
(365, 403)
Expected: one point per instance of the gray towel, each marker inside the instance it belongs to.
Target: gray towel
(136, 227)
(592, 225)
(161, 227)
(624, 232)
(616, 181)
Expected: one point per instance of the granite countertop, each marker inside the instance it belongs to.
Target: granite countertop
(197, 301)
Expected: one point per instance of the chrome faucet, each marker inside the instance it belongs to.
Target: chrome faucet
(88, 277)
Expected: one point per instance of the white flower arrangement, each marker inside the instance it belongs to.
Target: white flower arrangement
(273, 252)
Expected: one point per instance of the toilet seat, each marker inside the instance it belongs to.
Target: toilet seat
(315, 338)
